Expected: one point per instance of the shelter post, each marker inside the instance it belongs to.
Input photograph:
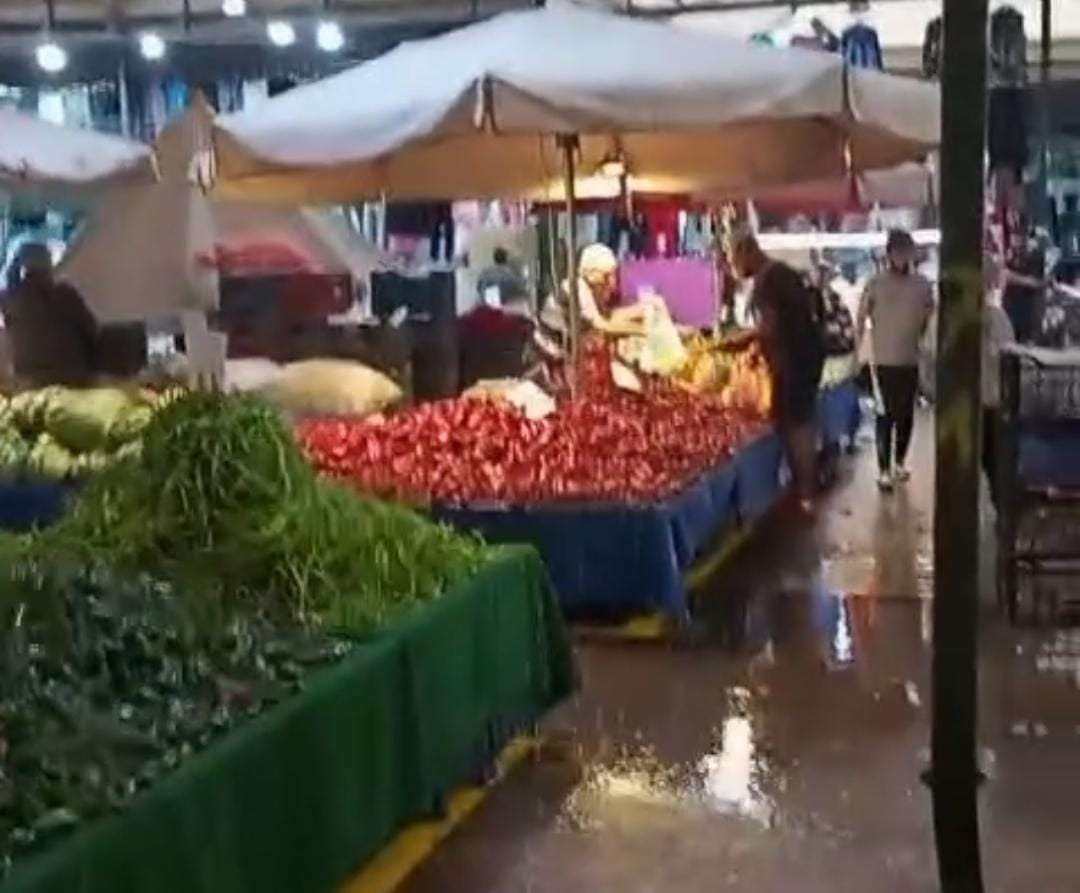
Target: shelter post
(1045, 51)
(954, 774)
(568, 143)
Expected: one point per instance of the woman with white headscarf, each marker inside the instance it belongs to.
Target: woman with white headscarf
(598, 271)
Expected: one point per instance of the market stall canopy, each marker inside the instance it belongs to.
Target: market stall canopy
(910, 185)
(474, 113)
(38, 156)
(153, 250)
(145, 253)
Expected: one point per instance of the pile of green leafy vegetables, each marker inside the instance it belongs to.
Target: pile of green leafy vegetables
(189, 586)
(221, 502)
(105, 687)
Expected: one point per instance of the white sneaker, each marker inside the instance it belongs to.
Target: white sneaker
(885, 481)
(902, 474)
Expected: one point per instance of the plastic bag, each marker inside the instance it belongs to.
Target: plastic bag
(662, 352)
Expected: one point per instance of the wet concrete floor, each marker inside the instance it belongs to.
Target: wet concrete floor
(779, 748)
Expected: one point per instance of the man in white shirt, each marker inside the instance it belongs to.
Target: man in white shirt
(898, 302)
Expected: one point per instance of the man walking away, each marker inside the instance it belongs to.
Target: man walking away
(898, 302)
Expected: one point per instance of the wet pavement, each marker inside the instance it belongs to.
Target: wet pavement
(779, 747)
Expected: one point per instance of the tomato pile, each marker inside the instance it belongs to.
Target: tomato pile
(608, 445)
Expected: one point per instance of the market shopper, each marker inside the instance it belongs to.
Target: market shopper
(997, 333)
(53, 334)
(504, 278)
(788, 326)
(898, 302)
(1025, 282)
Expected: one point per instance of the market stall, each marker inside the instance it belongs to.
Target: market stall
(190, 703)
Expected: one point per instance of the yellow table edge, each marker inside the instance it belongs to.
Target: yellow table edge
(415, 844)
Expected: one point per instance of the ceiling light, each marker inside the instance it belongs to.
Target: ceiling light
(151, 46)
(613, 166)
(51, 57)
(329, 37)
(233, 9)
(281, 33)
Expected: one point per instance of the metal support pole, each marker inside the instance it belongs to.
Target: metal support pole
(954, 773)
(1045, 52)
(569, 146)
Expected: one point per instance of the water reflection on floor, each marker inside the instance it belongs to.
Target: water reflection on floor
(779, 746)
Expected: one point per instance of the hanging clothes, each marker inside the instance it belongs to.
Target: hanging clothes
(1008, 48)
(931, 50)
(860, 47)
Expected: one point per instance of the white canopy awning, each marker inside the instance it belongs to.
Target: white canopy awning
(474, 113)
(148, 251)
(36, 155)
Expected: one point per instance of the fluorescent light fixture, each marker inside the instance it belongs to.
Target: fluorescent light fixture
(51, 57)
(151, 45)
(233, 9)
(803, 241)
(281, 33)
(329, 37)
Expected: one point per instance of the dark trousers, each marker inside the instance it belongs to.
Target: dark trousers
(899, 386)
(990, 451)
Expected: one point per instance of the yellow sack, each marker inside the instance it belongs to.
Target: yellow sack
(331, 387)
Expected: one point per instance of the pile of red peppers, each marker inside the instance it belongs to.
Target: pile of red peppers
(608, 445)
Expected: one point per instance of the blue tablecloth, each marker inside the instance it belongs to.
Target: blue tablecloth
(1050, 454)
(612, 559)
(839, 414)
(28, 504)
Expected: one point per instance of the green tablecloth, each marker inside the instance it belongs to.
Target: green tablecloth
(302, 796)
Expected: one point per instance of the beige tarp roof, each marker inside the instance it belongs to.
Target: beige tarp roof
(145, 254)
(473, 114)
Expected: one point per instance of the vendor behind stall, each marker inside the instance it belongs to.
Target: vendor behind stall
(597, 291)
(52, 333)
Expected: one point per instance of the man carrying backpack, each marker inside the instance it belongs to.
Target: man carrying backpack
(789, 315)
(898, 302)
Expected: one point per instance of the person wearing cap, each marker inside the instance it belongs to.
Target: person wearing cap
(898, 302)
(598, 270)
(789, 327)
(52, 332)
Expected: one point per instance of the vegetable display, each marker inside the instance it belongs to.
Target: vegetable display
(221, 502)
(61, 433)
(104, 688)
(109, 678)
(609, 445)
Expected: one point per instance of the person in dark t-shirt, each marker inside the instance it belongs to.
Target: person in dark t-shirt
(1025, 274)
(789, 330)
(53, 333)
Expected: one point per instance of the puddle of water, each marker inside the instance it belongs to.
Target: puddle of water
(636, 790)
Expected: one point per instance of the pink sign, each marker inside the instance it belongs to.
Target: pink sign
(686, 283)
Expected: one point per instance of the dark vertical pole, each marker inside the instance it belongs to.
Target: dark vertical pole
(1045, 50)
(569, 146)
(954, 772)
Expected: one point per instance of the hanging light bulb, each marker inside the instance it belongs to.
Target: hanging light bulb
(281, 33)
(51, 57)
(329, 37)
(151, 45)
(233, 9)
